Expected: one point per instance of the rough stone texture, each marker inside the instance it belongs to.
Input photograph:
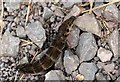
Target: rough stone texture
(111, 12)
(9, 18)
(104, 55)
(58, 12)
(20, 31)
(47, 13)
(69, 3)
(11, 5)
(109, 67)
(100, 76)
(9, 45)
(87, 22)
(75, 11)
(100, 65)
(87, 47)
(88, 70)
(7, 69)
(24, 60)
(59, 64)
(71, 62)
(73, 38)
(118, 79)
(113, 42)
(36, 33)
(54, 75)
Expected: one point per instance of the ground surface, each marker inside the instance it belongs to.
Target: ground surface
(92, 47)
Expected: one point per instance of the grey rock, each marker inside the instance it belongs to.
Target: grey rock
(23, 60)
(71, 62)
(70, 3)
(75, 11)
(104, 55)
(9, 18)
(47, 13)
(100, 65)
(73, 38)
(52, 19)
(111, 12)
(20, 31)
(118, 79)
(4, 59)
(113, 42)
(58, 12)
(88, 70)
(87, 22)
(109, 67)
(74, 74)
(87, 47)
(100, 76)
(12, 5)
(9, 45)
(54, 75)
(59, 64)
(36, 33)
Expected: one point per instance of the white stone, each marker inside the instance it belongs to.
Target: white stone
(104, 55)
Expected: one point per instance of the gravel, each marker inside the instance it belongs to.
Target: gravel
(113, 42)
(104, 55)
(9, 45)
(87, 47)
(36, 33)
(87, 22)
(91, 51)
(54, 75)
(70, 60)
(88, 70)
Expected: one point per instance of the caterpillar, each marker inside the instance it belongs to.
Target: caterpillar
(53, 52)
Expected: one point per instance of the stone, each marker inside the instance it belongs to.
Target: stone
(104, 55)
(87, 22)
(58, 12)
(20, 31)
(109, 67)
(70, 3)
(111, 12)
(75, 11)
(12, 5)
(87, 47)
(24, 60)
(118, 79)
(100, 76)
(59, 64)
(73, 38)
(9, 45)
(54, 75)
(10, 18)
(100, 65)
(47, 13)
(36, 33)
(80, 77)
(113, 42)
(71, 62)
(88, 70)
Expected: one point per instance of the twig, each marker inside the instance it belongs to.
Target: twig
(1, 19)
(27, 42)
(22, 76)
(34, 57)
(28, 11)
(91, 5)
(101, 6)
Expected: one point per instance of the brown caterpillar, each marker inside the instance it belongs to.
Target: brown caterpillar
(53, 52)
